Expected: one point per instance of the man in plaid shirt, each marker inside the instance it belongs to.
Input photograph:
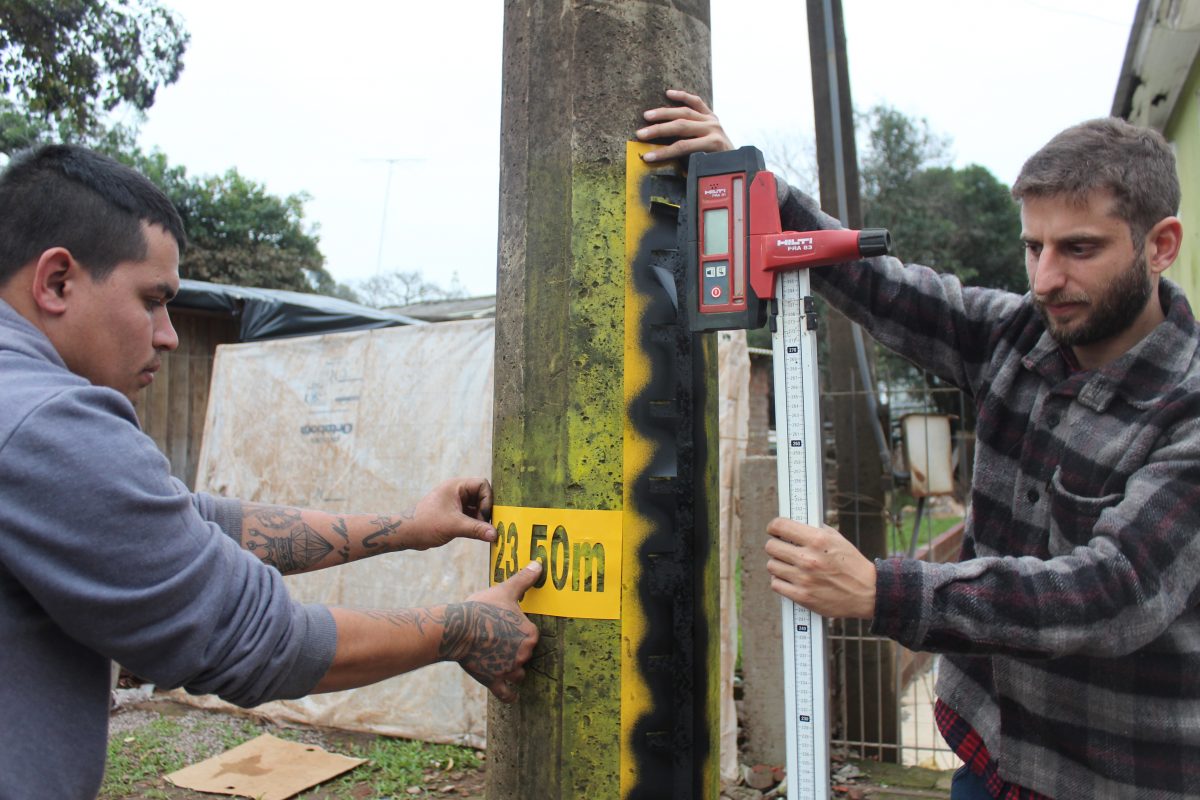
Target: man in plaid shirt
(1070, 625)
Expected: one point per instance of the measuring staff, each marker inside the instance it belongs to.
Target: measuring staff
(741, 271)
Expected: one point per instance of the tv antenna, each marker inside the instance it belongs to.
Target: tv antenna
(387, 191)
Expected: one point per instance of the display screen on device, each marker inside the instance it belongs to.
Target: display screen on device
(716, 231)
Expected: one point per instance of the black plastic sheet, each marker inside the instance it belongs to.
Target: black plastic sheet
(277, 313)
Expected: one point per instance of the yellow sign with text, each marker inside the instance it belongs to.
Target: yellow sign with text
(580, 553)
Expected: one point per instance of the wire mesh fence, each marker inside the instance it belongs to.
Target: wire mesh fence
(899, 727)
(882, 695)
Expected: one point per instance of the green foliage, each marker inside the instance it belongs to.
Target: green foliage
(65, 63)
(238, 233)
(73, 61)
(18, 129)
(961, 221)
(242, 234)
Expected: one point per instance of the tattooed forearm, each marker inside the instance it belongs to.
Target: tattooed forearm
(483, 638)
(276, 518)
(340, 528)
(280, 537)
(407, 617)
(385, 527)
(299, 540)
(295, 551)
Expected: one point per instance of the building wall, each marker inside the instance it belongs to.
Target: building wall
(1183, 131)
(172, 408)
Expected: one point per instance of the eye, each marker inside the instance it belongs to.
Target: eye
(1032, 248)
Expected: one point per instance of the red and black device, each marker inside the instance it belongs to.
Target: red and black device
(735, 243)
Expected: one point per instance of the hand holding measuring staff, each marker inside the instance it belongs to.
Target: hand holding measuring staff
(819, 569)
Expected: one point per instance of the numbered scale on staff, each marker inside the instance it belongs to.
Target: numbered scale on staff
(741, 271)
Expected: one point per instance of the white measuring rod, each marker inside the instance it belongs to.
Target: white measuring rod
(798, 448)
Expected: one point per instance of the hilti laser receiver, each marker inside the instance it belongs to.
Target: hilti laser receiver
(736, 245)
(742, 270)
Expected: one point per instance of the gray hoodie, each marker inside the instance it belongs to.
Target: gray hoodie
(104, 555)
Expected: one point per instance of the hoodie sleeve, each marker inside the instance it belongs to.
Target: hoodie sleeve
(119, 554)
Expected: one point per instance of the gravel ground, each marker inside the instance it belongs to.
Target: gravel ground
(202, 734)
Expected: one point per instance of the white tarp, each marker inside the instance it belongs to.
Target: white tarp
(370, 421)
(365, 421)
(733, 367)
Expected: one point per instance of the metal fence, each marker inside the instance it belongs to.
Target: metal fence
(882, 695)
(900, 727)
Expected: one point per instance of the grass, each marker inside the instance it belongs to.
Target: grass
(138, 758)
(900, 534)
(396, 764)
(141, 755)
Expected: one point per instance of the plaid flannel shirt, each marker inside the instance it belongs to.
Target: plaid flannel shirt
(967, 745)
(1071, 627)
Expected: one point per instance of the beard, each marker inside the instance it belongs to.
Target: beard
(1112, 312)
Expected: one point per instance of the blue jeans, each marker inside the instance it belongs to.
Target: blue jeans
(966, 785)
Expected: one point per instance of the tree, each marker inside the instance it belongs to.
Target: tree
(792, 157)
(401, 288)
(64, 64)
(961, 221)
(70, 62)
(238, 233)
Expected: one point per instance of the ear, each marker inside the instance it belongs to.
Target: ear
(1162, 244)
(53, 275)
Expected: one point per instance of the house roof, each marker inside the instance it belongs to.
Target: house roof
(1164, 42)
(449, 310)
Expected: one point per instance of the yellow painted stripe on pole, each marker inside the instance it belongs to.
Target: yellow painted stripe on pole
(635, 695)
(580, 553)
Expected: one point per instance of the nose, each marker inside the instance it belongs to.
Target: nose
(1046, 273)
(165, 337)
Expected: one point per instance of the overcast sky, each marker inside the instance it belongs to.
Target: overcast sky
(315, 98)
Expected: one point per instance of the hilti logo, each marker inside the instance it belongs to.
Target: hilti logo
(805, 241)
(714, 192)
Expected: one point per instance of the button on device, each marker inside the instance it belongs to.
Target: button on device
(1032, 495)
(715, 292)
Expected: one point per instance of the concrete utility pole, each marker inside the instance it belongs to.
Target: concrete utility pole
(867, 707)
(604, 414)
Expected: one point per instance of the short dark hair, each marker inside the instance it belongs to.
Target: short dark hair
(68, 196)
(1136, 164)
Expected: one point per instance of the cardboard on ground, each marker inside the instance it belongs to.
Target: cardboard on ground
(266, 768)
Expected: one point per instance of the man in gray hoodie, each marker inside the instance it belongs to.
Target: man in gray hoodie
(104, 556)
